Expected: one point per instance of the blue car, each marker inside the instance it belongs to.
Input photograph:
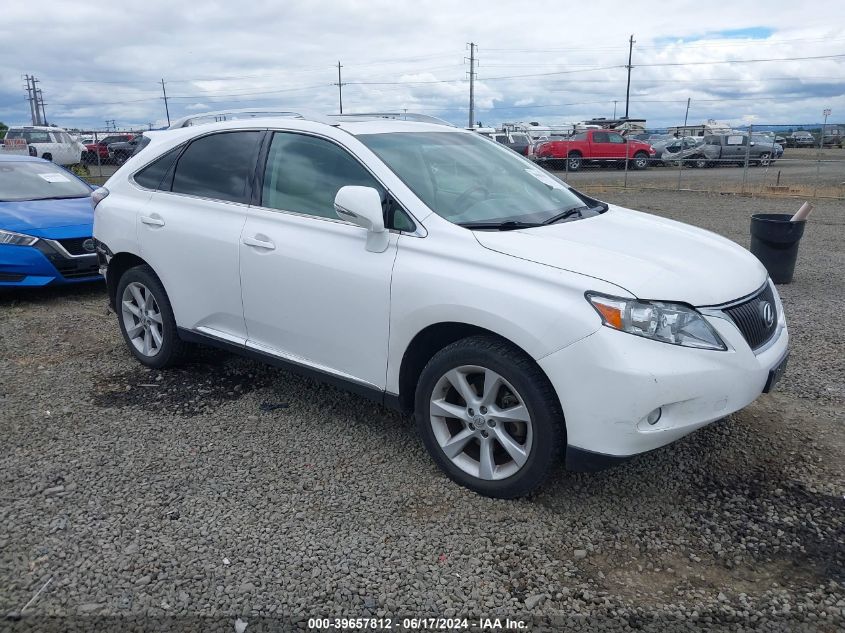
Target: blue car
(46, 224)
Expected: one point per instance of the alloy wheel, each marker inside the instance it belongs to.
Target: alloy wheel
(142, 319)
(481, 422)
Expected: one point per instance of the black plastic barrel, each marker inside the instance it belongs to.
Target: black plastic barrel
(774, 240)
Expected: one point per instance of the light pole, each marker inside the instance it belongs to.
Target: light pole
(826, 113)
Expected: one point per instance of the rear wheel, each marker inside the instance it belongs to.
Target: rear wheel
(489, 417)
(146, 319)
(765, 159)
(573, 161)
(47, 156)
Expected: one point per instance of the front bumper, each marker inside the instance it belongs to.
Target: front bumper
(610, 381)
(42, 264)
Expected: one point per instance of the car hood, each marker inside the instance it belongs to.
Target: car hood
(650, 257)
(33, 216)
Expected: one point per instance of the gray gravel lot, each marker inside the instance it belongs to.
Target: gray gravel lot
(182, 500)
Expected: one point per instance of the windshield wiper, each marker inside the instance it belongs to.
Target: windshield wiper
(579, 211)
(58, 198)
(510, 225)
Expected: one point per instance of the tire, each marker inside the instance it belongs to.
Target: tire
(640, 161)
(534, 430)
(764, 159)
(574, 161)
(700, 163)
(134, 287)
(47, 156)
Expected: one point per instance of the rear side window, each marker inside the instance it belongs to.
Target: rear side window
(600, 137)
(151, 176)
(218, 166)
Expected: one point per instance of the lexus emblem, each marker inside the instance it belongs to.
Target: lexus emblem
(767, 313)
(88, 245)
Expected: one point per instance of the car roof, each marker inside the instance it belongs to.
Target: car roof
(379, 126)
(45, 128)
(8, 157)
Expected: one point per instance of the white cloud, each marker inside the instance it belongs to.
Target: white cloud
(537, 59)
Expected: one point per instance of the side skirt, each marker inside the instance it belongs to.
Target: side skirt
(376, 395)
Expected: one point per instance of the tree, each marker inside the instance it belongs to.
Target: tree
(3, 128)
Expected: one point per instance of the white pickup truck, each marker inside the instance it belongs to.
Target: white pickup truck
(50, 143)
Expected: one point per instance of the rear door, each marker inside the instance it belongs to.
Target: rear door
(190, 229)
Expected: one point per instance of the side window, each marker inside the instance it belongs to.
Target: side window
(151, 176)
(218, 166)
(600, 137)
(616, 138)
(304, 173)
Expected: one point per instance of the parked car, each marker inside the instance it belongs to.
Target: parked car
(517, 141)
(734, 148)
(688, 150)
(46, 219)
(101, 148)
(833, 135)
(800, 139)
(768, 141)
(594, 146)
(437, 272)
(121, 151)
(50, 143)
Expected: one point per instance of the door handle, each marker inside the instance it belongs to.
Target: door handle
(259, 243)
(152, 220)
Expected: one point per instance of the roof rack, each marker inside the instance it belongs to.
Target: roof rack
(399, 116)
(217, 116)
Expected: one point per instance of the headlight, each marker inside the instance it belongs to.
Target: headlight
(666, 322)
(16, 239)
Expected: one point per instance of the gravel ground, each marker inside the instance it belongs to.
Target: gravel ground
(185, 499)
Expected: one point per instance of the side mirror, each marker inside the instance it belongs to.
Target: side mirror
(362, 206)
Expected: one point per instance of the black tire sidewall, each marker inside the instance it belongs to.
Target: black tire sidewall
(170, 349)
(538, 395)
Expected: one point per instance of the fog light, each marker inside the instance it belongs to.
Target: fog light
(654, 417)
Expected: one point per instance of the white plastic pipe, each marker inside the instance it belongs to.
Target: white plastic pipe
(803, 212)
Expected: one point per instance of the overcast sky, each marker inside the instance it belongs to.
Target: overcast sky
(552, 61)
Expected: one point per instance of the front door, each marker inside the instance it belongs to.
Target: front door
(311, 291)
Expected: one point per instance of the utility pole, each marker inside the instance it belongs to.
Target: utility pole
(628, 89)
(472, 47)
(615, 101)
(30, 97)
(166, 109)
(686, 116)
(340, 86)
(39, 101)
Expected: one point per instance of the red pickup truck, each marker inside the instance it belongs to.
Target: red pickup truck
(594, 145)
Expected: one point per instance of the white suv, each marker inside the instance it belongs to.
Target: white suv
(436, 271)
(49, 143)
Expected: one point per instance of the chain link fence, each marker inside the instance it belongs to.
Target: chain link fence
(774, 160)
(105, 151)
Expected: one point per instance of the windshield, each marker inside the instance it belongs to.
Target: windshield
(465, 178)
(24, 180)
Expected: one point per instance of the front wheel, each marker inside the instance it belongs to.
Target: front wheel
(700, 163)
(146, 319)
(640, 160)
(764, 160)
(489, 417)
(573, 161)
